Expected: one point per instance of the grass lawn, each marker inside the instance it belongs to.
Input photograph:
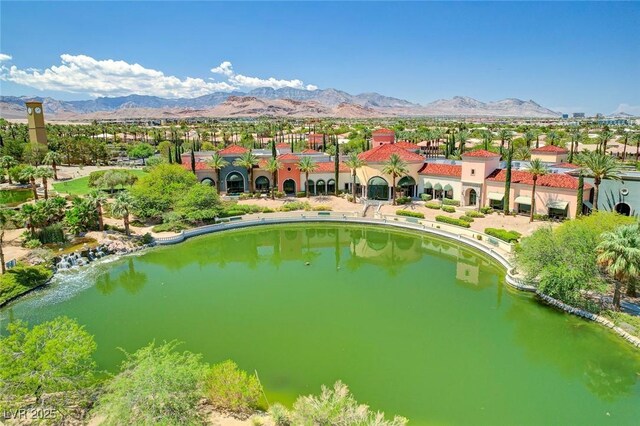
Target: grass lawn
(80, 186)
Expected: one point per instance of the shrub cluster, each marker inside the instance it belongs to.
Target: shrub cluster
(322, 208)
(486, 210)
(448, 209)
(466, 218)
(450, 202)
(426, 197)
(403, 200)
(295, 205)
(473, 213)
(432, 205)
(453, 221)
(503, 234)
(410, 213)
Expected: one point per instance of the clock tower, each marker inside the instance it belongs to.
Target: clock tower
(35, 119)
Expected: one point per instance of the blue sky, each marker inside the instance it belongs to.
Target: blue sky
(578, 56)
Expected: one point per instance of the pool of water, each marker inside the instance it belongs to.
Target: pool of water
(13, 197)
(415, 325)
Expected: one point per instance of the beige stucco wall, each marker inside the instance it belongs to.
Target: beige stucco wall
(371, 170)
(482, 166)
(455, 183)
(550, 157)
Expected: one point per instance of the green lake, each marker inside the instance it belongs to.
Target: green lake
(415, 325)
(13, 197)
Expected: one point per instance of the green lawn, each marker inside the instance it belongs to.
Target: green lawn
(80, 186)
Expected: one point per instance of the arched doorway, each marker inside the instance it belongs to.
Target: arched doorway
(289, 186)
(235, 183)
(377, 189)
(331, 186)
(208, 181)
(311, 187)
(262, 184)
(472, 197)
(437, 191)
(448, 191)
(623, 209)
(321, 187)
(408, 185)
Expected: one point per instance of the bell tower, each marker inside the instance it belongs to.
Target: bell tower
(35, 119)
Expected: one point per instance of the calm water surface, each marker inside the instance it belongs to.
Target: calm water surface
(415, 325)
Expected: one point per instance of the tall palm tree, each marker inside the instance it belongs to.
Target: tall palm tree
(97, 199)
(53, 158)
(529, 136)
(603, 140)
(273, 165)
(247, 160)
(396, 167)
(552, 138)
(636, 141)
(463, 136)
(576, 137)
(507, 181)
(44, 173)
(217, 163)
(504, 135)
(625, 137)
(7, 162)
(619, 255)
(122, 206)
(307, 165)
(354, 163)
(487, 138)
(537, 169)
(599, 166)
(30, 173)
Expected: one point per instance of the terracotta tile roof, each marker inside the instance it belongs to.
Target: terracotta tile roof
(262, 163)
(327, 167)
(232, 150)
(381, 153)
(383, 130)
(551, 180)
(200, 165)
(436, 169)
(550, 149)
(310, 151)
(566, 165)
(283, 145)
(407, 145)
(288, 157)
(480, 153)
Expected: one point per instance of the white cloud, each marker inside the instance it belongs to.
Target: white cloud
(243, 81)
(84, 74)
(629, 109)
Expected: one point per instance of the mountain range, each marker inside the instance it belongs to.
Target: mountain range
(286, 102)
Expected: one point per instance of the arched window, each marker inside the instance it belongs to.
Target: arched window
(377, 189)
(321, 187)
(407, 184)
(208, 181)
(235, 183)
(311, 187)
(289, 186)
(448, 191)
(262, 184)
(331, 186)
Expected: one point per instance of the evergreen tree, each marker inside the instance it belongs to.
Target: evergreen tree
(507, 182)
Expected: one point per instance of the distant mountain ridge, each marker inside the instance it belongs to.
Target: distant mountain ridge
(269, 102)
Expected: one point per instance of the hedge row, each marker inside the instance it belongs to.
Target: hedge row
(473, 213)
(503, 234)
(453, 221)
(432, 205)
(410, 213)
(448, 209)
(449, 202)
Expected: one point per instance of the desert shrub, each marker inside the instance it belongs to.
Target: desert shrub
(410, 213)
(448, 209)
(541, 217)
(337, 407)
(453, 221)
(350, 198)
(51, 234)
(268, 210)
(466, 218)
(244, 196)
(295, 205)
(16, 173)
(432, 205)
(32, 243)
(301, 194)
(473, 213)
(486, 210)
(279, 194)
(449, 202)
(503, 234)
(231, 389)
(232, 213)
(146, 238)
(403, 200)
(280, 415)
(322, 208)
(170, 227)
(426, 197)
(155, 383)
(20, 279)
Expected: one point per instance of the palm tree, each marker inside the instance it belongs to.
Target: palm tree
(463, 136)
(354, 163)
(396, 167)
(504, 135)
(7, 162)
(599, 166)
(97, 199)
(552, 138)
(529, 137)
(53, 158)
(122, 206)
(603, 140)
(217, 163)
(636, 140)
(537, 169)
(619, 255)
(247, 160)
(6, 216)
(487, 138)
(576, 137)
(507, 181)
(273, 165)
(625, 137)
(30, 173)
(307, 165)
(44, 173)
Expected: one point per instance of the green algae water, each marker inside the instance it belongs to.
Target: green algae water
(415, 325)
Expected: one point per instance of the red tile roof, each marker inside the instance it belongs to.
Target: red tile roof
(552, 180)
(480, 153)
(407, 145)
(383, 130)
(200, 165)
(566, 165)
(328, 167)
(283, 145)
(262, 163)
(550, 149)
(381, 153)
(436, 169)
(288, 157)
(310, 151)
(233, 149)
